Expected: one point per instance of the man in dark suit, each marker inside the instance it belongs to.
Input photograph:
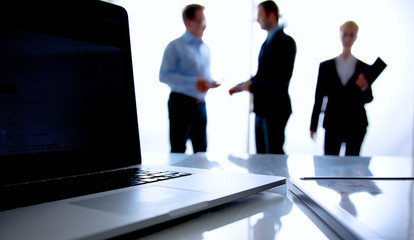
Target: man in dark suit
(341, 81)
(270, 85)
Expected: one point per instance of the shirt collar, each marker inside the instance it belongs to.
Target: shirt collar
(273, 32)
(189, 38)
(351, 59)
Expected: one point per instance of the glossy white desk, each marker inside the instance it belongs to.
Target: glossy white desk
(270, 215)
(273, 214)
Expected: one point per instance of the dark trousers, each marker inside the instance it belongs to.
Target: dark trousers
(188, 120)
(270, 133)
(352, 138)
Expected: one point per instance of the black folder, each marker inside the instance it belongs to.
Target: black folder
(375, 70)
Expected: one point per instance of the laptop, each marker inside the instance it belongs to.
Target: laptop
(69, 142)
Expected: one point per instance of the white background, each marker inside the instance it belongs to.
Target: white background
(235, 38)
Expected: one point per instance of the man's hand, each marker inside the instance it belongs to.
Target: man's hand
(362, 82)
(203, 85)
(244, 86)
(312, 134)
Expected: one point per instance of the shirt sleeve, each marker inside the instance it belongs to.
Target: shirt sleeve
(169, 73)
(320, 93)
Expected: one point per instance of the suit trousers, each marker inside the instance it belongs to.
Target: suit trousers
(352, 139)
(188, 120)
(270, 133)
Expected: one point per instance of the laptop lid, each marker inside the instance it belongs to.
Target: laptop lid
(67, 101)
(67, 106)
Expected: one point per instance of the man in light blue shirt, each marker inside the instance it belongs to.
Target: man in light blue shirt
(185, 69)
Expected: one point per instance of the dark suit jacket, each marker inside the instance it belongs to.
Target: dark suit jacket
(271, 82)
(345, 107)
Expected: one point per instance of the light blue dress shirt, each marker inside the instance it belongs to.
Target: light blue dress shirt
(185, 60)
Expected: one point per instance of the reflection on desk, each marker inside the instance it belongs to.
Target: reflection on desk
(262, 216)
(297, 166)
(361, 208)
(289, 218)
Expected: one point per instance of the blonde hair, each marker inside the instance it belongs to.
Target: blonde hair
(349, 24)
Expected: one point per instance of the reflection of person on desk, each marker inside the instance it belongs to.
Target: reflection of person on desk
(341, 82)
(347, 186)
(268, 226)
(263, 164)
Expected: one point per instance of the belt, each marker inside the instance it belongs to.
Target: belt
(186, 98)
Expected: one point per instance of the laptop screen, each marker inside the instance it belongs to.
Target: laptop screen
(67, 101)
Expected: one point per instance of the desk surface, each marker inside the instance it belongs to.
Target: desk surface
(273, 214)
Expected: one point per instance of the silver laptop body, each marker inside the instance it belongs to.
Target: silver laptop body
(68, 117)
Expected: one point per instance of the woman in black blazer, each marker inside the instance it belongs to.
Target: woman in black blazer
(342, 83)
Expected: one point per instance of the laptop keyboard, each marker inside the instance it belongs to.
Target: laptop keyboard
(57, 189)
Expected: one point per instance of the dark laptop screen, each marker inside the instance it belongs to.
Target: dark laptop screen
(67, 102)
